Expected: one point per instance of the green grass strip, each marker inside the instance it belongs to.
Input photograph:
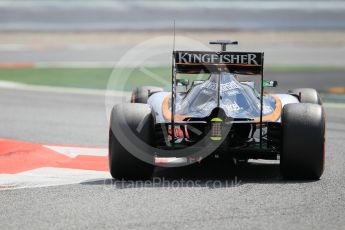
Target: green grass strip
(123, 78)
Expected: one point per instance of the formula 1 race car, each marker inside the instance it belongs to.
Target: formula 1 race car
(218, 118)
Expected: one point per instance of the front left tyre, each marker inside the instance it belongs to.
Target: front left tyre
(131, 132)
(141, 94)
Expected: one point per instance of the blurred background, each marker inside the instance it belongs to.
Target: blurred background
(75, 43)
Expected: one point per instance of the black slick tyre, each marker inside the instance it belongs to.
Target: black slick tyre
(307, 95)
(303, 141)
(131, 131)
(141, 94)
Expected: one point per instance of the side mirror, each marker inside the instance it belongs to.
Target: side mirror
(270, 83)
(182, 82)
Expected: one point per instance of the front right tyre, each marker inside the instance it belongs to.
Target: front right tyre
(307, 95)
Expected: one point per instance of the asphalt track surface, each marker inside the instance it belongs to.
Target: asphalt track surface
(226, 197)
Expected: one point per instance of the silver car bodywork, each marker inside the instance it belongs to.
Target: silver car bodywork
(237, 99)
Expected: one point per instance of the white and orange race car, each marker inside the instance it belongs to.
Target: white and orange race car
(218, 118)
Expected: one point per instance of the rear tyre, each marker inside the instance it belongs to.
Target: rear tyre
(141, 94)
(134, 128)
(308, 95)
(303, 141)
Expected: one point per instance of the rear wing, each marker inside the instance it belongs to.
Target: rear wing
(195, 62)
